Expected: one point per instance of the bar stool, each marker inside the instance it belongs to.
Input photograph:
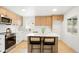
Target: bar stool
(49, 41)
(35, 41)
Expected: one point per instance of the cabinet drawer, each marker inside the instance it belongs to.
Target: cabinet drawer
(2, 48)
(2, 42)
(1, 36)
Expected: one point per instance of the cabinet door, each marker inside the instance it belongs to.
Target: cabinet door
(38, 21)
(57, 17)
(10, 15)
(60, 17)
(2, 43)
(43, 21)
(48, 21)
(3, 12)
(54, 18)
(19, 20)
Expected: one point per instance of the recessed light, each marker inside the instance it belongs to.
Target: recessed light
(54, 9)
(23, 9)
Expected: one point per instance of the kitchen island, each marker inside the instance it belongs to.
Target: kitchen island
(54, 35)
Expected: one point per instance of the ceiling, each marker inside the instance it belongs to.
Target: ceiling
(39, 10)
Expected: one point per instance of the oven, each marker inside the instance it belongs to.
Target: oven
(10, 39)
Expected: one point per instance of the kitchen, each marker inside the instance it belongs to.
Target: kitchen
(42, 22)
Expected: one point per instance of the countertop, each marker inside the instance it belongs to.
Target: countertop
(3, 33)
(45, 35)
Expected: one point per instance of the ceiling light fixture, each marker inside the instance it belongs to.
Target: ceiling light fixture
(23, 10)
(54, 10)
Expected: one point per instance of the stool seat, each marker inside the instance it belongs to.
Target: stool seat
(35, 42)
(48, 43)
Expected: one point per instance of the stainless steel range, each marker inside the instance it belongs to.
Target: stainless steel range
(10, 38)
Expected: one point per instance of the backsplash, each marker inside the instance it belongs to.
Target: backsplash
(12, 27)
(47, 29)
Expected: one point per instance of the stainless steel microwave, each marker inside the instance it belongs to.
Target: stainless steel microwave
(5, 20)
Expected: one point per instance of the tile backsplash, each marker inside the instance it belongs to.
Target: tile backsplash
(3, 28)
(39, 29)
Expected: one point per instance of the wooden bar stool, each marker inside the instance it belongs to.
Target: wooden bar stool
(49, 41)
(35, 41)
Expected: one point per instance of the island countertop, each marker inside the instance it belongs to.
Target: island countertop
(44, 35)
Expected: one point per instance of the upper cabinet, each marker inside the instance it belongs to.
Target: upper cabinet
(16, 19)
(37, 21)
(58, 18)
(48, 20)
(43, 20)
(3, 11)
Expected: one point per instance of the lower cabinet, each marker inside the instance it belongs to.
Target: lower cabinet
(2, 43)
(19, 37)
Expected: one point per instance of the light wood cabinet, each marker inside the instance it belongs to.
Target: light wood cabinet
(37, 21)
(58, 18)
(48, 20)
(3, 11)
(43, 20)
(16, 19)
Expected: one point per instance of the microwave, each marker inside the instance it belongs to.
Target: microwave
(5, 20)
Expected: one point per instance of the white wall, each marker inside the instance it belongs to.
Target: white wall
(71, 39)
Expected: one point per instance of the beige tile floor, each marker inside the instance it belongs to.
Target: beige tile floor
(22, 48)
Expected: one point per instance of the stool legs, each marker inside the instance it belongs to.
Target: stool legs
(50, 49)
(43, 48)
(33, 48)
(40, 48)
